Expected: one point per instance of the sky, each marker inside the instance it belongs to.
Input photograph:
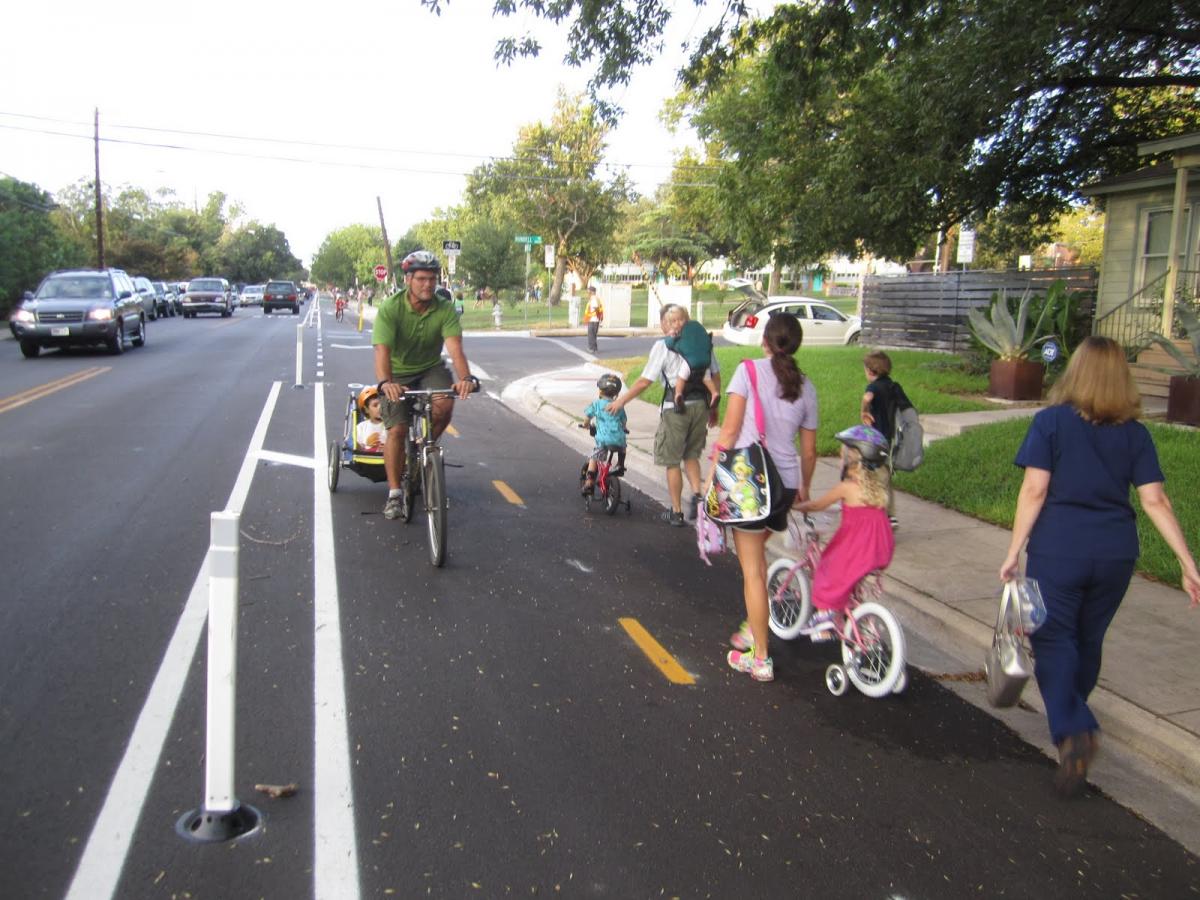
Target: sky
(385, 74)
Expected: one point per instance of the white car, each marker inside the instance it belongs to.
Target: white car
(823, 324)
(252, 295)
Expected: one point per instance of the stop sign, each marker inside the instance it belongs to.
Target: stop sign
(381, 273)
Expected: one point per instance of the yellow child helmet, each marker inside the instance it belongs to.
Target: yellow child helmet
(365, 395)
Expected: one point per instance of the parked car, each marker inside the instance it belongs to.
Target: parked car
(166, 301)
(252, 295)
(145, 291)
(281, 295)
(207, 295)
(823, 324)
(80, 307)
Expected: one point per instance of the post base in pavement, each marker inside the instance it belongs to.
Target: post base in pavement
(206, 827)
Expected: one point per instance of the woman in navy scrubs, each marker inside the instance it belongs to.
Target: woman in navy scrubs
(1080, 456)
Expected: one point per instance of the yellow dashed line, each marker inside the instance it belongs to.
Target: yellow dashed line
(656, 653)
(508, 493)
(44, 390)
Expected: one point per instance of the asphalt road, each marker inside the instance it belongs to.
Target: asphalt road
(485, 729)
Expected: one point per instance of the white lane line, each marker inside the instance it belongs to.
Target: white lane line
(287, 459)
(335, 850)
(590, 357)
(478, 372)
(104, 856)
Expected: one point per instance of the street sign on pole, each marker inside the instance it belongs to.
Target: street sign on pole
(549, 256)
(381, 273)
(452, 248)
(528, 239)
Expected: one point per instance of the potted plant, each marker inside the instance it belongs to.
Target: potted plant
(1183, 396)
(1013, 376)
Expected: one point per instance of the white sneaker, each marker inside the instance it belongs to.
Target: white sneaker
(394, 508)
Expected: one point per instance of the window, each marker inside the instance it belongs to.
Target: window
(1156, 239)
(827, 313)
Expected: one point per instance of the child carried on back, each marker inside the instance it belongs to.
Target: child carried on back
(609, 430)
(694, 344)
(864, 541)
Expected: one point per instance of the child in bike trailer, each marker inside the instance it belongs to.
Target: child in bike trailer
(369, 434)
(610, 430)
(864, 541)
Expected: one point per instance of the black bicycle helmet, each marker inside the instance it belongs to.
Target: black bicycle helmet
(420, 261)
(871, 445)
(609, 384)
(443, 293)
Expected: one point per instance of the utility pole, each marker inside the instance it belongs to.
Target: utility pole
(99, 201)
(387, 247)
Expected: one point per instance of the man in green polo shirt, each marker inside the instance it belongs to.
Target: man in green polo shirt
(410, 329)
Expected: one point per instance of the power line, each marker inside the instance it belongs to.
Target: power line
(324, 145)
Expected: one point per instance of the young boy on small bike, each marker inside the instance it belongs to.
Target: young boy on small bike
(864, 541)
(610, 430)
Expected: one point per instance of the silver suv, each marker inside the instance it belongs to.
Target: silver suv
(80, 307)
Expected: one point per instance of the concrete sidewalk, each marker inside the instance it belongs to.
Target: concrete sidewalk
(943, 583)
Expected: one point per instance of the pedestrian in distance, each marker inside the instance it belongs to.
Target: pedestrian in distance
(410, 329)
(789, 403)
(593, 315)
(1081, 456)
(863, 542)
(880, 401)
(610, 430)
(679, 440)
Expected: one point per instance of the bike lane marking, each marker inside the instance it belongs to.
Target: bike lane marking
(103, 858)
(508, 493)
(656, 653)
(335, 849)
(45, 390)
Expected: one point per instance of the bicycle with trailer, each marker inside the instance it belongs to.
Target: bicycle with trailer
(871, 639)
(425, 467)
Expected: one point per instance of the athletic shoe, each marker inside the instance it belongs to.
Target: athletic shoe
(394, 508)
(894, 522)
(674, 519)
(758, 669)
(821, 625)
(589, 488)
(743, 638)
(693, 505)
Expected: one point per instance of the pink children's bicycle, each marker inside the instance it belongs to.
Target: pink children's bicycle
(871, 638)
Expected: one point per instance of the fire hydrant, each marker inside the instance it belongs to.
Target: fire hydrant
(497, 314)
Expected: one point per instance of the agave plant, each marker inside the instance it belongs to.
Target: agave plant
(1190, 323)
(1008, 336)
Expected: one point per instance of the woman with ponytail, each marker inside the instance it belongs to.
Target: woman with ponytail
(789, 403)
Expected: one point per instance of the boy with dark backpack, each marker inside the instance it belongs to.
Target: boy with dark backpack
(887, 409)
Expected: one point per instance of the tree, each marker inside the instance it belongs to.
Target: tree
(30, 244)
(490, 259)
(349, 252)
(552, 187)
(256, 253)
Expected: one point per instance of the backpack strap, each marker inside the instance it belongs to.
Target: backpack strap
(760, 421)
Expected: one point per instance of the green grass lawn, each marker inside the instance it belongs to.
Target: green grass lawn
(934, 382)
(974, 473)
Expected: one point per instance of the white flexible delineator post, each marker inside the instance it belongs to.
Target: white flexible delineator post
(299, 356)
(222, 662)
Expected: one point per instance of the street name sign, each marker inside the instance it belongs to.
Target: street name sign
(528, 239)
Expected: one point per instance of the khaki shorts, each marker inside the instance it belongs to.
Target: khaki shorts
(681, 437)
(435, 378)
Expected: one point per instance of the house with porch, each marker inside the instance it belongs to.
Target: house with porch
(1151, 257)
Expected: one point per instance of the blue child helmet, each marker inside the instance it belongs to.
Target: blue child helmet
(869, 442)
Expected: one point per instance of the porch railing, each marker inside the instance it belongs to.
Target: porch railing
(1133, 322)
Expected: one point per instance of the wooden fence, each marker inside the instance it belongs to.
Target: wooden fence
(929, 311)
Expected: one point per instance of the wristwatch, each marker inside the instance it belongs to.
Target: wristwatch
(379, 387)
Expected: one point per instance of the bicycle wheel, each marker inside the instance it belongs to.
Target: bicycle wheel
(876, 660)
(335, 465)
(433, 478)
(612, 499)
(789, 597)
(410, 477)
